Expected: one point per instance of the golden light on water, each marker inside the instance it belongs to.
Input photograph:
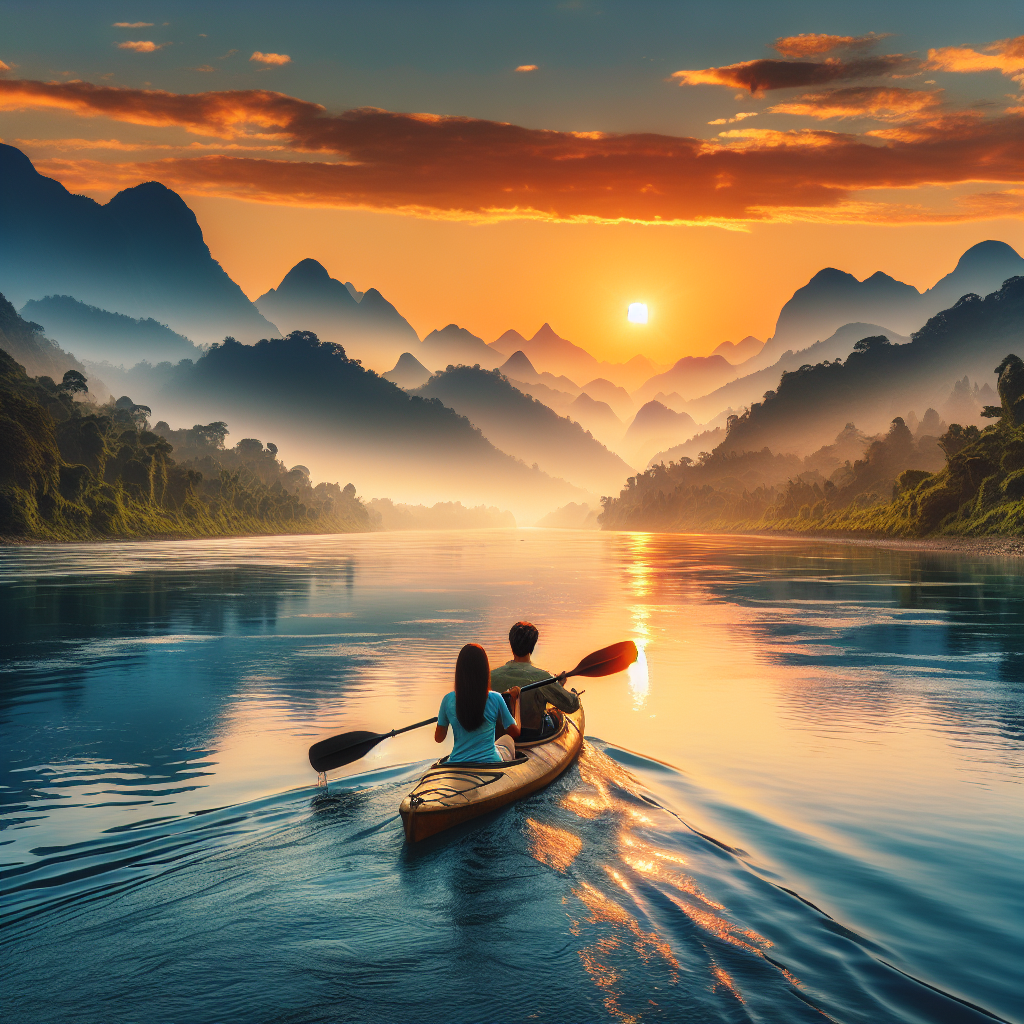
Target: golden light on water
(637, 313)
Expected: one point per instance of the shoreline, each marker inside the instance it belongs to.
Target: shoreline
(995, 547)
(990, 547)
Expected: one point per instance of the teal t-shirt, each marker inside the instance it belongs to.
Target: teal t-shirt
(478, 744)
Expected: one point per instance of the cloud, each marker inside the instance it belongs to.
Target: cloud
(65, 145)
(743, 115)
(886, 103)
(759, 76)
(271, 58)
(4, 67)
(202, 67)
(140, 46)
(527, 67)
(132, 24)
(815, 44)
(1005, 56)
(460, 167)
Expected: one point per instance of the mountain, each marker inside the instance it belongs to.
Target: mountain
(97, 335)
(364, 323)
(832, 298)
(598, 418)
(526, 428)
(38, 355)
(454, 345)
(705, 441)
(408, 372)
(560, 401)
(518, 367)
(750, 387)
(141, 254)
(348, 422)
(879, 380)
(691, 376)
(741, 351)
(602, 390)
(561, 357)
(654, 428)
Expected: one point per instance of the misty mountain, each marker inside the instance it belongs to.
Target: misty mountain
(752, 386)
(879, 380)
(691, 377)
(348, 422)
(654, 428)
(741, 351)
(24, 342)
(519, 367)
(560, 401)
(598, 418)
(617, 398)
(526, 428)
(98, 335)
(705, 441)
(369, 327)
(550, 352)
(141, 254)
(454, 345)
(408, 372)
(832, 298)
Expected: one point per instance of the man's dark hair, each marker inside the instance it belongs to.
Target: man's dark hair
(523, 637)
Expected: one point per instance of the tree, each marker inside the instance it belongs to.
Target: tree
(875, 341)
(74, 383)
(212, 434)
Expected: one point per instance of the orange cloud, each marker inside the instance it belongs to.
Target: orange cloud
(760, 76)
(133, 24)
(140, 46)
(4, 67)
(271, 58)
(741, 116)
(1005, 56)
(881, 102)
(527, 67)
(464, 167)
(814, 44)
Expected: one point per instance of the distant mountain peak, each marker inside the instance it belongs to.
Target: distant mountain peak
(306, 274)
(519, 366)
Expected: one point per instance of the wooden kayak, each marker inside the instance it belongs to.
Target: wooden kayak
(448, 794)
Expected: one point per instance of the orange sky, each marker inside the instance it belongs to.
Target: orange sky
(842, 154)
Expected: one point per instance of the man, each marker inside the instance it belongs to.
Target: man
(519, 671)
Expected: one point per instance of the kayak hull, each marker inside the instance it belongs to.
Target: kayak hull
(449, 794)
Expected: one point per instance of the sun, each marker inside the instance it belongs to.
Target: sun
(637, 313)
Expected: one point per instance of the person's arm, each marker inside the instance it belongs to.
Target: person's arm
(510, 719)
(441, 730)
(565, 700)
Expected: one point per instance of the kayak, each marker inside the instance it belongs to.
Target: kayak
(448, 794)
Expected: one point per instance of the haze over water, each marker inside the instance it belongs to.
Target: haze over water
(835, 830)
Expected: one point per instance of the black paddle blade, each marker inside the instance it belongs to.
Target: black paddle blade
(608, 660)
(332, 753)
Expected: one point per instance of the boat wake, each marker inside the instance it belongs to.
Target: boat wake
(592, 899)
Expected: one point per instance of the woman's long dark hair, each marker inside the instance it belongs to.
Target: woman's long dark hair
(472, 683)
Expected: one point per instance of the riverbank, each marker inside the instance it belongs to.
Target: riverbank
(997, 547)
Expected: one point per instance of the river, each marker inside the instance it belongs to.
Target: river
(803, 803)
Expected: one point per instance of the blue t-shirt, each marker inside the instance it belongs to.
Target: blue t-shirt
(478, 744)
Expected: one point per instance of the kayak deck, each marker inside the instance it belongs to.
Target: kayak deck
(448, 794)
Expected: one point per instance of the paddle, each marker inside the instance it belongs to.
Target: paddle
(347, 747)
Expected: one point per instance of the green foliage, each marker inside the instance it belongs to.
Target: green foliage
(900, 487)
(70, 471)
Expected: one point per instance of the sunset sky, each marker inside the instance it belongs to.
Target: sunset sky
(503, 165)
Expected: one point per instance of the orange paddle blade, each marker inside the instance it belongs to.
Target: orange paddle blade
(608, 660)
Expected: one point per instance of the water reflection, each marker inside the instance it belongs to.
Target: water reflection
(851, 717)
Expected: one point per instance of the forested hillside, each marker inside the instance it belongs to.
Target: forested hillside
(72, 470)
(966, 481)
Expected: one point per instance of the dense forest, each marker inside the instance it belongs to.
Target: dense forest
(963, 481)
(74, 470)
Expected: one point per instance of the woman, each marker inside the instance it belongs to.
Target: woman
(474, 709)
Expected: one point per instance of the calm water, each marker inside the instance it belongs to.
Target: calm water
(803, 804)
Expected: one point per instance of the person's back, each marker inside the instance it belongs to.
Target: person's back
(473, 711)
(523, 637)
